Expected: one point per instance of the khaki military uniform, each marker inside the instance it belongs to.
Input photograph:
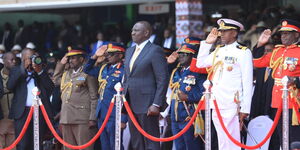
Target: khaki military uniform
(79, 101)
(7, 131)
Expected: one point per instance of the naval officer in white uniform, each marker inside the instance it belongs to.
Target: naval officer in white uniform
(231, 73)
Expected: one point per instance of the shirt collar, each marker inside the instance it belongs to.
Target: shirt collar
(233, 44)
(142, 45)
(78, 70)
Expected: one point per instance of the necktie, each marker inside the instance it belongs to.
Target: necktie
(134, 56)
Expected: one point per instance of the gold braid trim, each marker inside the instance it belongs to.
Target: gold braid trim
(293, 94)
(199, 121)
(174, 86)
(102, 82)
(66, 87)
(275, 64)
(213, 68)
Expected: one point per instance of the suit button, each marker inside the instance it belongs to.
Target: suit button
(82, 107)
(67, 102)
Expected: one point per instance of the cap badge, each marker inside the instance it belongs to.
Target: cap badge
(284, 23)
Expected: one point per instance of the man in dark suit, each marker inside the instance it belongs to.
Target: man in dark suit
(145, 85)
(169, 40)
(21, 81)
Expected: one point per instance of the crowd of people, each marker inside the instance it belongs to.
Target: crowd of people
(162, 84)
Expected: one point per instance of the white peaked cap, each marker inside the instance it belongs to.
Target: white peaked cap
(16, 48)
(30, 45)
(2, 47)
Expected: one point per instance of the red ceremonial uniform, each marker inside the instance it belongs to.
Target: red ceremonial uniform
(284, 60)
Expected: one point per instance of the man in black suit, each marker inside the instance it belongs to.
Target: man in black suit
(169, 40)
(21, 81)
(145, 85)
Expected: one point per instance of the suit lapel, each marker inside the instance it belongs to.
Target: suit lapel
(127, 61)
(141, 56)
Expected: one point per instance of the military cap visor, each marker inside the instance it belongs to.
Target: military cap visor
(192, 40)
(187, 48)
(289, 25)
(75, 52)
(115, 47)
(229, 24)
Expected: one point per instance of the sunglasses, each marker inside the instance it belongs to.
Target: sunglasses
(184, 54)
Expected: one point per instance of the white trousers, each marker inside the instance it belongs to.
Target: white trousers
(231, 122)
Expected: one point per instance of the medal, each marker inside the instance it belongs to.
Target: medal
(188, 88)
(292, 67)
(229, 68)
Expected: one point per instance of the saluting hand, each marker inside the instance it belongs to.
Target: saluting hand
(64, 60)
(172, 58)
(101, 50)
(213, 36)
(264, 37)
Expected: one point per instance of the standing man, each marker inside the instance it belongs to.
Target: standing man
(110, 74)
(22, 79)
(231, 76)
(79, 99)
(145, 84)
(7, 131)
(187, 89)
(284, 61)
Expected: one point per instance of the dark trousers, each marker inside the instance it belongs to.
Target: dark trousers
(187, 141)
(26, 142)
(107, 137)
(150, 125)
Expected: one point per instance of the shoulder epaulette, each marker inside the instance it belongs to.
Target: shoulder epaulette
(241, 47)
(220, 45)
(279, 45)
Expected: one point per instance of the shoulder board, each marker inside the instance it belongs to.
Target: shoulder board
(279, 45)
(241, 47)
(220, 45)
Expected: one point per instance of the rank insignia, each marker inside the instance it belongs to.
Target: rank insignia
(188, 88)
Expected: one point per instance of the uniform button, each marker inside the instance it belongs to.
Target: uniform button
(67, 102)
(82, 107)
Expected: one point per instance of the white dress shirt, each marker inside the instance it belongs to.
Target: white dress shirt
(168, 42)
(226, 82)
(30, 86)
